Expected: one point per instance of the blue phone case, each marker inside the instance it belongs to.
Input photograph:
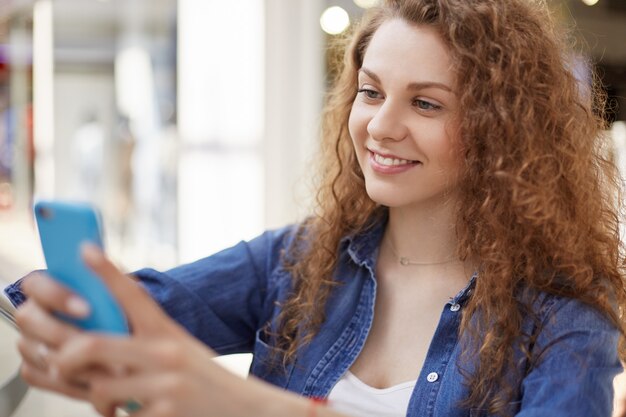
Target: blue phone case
(63, 227)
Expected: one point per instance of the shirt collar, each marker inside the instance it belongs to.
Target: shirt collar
(465, 293)
(363, 246)
(363, 249)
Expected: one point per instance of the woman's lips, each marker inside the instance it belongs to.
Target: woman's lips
(390, 164)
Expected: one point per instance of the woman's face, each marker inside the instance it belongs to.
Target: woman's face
(401, 121)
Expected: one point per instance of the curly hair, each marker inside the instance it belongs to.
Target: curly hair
(540, 195)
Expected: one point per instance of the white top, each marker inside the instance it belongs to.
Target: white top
(354, 397)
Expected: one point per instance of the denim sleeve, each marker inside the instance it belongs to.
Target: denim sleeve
(225, 298)
(14, 293)
(577, 363)
(222, 299)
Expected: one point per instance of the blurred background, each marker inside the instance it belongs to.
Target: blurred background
(190, 123)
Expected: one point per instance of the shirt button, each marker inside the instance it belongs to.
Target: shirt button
(455, 307)
(432, 377)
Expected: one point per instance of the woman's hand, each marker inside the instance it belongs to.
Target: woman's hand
(42, 333)
(161, 366)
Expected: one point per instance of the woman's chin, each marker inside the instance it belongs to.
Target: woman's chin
(394, 198)
(388, 199)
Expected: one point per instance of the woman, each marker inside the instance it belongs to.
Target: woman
(463, 260)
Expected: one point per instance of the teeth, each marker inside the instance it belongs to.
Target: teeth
(390, 161)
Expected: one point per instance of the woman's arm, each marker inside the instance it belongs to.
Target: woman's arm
(164, 368)
(222, 299)
(575, 363)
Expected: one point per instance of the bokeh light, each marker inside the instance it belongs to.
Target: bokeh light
(366, 4)
(334, 20)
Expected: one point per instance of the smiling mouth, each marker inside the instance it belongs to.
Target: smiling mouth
(392, 162)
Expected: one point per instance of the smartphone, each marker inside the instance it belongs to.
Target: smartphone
(63, 228)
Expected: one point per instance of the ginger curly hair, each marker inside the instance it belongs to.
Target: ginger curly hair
(540, 195)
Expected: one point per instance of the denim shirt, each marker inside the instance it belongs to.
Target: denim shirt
(226, 299)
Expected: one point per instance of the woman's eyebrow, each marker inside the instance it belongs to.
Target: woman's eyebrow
(412, 86)
(429, 84)
(370, 74)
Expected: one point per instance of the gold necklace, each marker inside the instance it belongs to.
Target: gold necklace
(404, 261)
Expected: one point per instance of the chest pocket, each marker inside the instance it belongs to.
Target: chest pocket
(262, 365)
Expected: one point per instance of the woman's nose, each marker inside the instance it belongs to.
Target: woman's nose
(387, 123)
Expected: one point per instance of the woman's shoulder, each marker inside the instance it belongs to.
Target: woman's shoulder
(277, 239)
(275, 244)
(565, 313)
(573, 356)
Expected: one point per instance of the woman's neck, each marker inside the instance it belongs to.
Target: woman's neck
(423, 234)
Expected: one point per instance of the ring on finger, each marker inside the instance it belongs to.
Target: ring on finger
(42, 354)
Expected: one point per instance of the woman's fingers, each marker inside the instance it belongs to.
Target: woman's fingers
(38, 357)
(38, 324)
(130, 370)
(53, 296)
(50, 381)
(118, 354)
(147, 390)
(142, 312)
(34, 353)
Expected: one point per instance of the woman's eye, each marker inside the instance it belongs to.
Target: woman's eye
(425, 105)
(369, 93)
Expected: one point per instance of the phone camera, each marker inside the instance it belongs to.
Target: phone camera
(45, 213)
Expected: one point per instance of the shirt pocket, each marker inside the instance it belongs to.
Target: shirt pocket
(262, 365)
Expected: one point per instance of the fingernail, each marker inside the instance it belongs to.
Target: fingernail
(77, 307)
(91, 252)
